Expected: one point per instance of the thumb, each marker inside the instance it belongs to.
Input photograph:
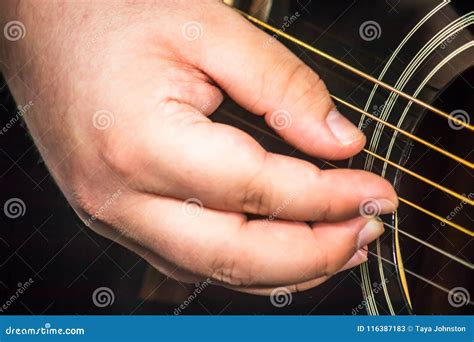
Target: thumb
(264, 77)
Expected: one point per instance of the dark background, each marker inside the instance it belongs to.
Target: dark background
(68, 262)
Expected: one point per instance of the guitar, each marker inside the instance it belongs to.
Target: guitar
(423, 262)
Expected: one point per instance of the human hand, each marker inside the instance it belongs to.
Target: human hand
(122, 97)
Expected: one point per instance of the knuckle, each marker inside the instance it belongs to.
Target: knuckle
(119, 154)
(323, 211)
(327, 268)
(230, 264)
(300, 72)
(311, 91)
(256, 197)
(322, 265)
(253, 200)
(227, 270)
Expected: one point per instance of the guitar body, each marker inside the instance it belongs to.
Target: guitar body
(425, 49)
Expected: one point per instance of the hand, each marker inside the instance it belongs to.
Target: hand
(122, 96)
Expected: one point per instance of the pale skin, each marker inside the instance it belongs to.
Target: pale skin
(134, 61)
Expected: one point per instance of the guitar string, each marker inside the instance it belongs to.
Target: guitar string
(437, 111)
(408, 73)
(373, 117)
(405, 201)
(402, 131)
(354, 70)
(437, 217)
(437, 249)
(433, 247)
(423, 179)
(398, 49)
(414, 137)
(416, 275)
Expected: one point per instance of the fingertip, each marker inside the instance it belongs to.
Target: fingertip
(357, 259)
(389, 200)
(344, 131)
(336, 137)
(371, 231)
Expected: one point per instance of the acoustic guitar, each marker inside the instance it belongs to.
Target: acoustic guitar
(403, 72)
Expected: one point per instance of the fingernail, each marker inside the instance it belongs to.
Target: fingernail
(387, 206)
(372, 230)
(374, 207)
(343, 129)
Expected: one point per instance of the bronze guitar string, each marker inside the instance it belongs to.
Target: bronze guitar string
(414, 137)
(433, 247)
(405, 201)
(354, 70)
(416, 275)
(384, 85)
(401, 168)
(407, 134)
(437, 249)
